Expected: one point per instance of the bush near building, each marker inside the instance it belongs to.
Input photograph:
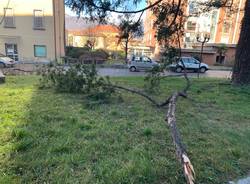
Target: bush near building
(86, 55)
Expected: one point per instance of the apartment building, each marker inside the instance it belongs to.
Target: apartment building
(222, 25)
(150, 30)
(32, 30)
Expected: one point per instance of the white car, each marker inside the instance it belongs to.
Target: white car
(190, 63)
(6, 62)
(141, 63)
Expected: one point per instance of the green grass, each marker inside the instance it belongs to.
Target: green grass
(46, 137)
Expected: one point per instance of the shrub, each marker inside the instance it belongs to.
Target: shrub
(76, 52)
(101, 53)
(77, 79)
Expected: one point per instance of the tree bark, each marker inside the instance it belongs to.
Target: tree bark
(126, 51)
(181, 153)
(241, 71)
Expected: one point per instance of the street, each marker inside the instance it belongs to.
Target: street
(125, 72)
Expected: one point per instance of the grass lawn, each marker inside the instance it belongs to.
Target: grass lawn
(46, 137)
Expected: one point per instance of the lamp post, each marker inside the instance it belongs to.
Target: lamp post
(202, 38)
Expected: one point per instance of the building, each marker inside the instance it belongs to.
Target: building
(32, 30)
(222, 25)
(136, 47)
(80, 32)
(150, 31)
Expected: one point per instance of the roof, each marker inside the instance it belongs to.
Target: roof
(98, 30)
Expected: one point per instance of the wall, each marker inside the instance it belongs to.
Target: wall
(209, 57)
(59, 28)
(25, 36)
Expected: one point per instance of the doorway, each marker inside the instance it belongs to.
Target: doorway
(11, 51)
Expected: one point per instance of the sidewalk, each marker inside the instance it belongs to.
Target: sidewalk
(242, 181)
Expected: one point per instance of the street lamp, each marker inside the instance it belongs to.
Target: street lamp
(202, 38)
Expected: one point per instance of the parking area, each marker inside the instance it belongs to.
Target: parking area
(125, 72)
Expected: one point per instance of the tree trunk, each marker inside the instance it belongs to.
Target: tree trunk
(126, 51)
(241, 71)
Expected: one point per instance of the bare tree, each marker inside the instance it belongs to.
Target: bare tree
(129, 29)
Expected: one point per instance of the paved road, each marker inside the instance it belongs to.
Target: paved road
(125, 72)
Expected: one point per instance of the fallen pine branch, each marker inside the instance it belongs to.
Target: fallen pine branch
(154, 102)
(181, 153)
(21, 70)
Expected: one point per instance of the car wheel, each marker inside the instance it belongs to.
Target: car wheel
(203, 69)
(2, 65)
(178, 69)
(132, 69)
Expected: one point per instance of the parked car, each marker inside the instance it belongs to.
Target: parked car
(6, 62)
(190, 63)
(141, 63)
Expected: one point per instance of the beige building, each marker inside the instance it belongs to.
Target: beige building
(32, 30)
(80, 33)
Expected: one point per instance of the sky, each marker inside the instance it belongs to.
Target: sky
(114, 15)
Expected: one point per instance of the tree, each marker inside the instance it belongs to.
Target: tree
(241, 70)
(90, 44)
(129, 30)
(221, 49)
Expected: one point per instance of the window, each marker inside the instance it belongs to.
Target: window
(191, 26)
(228, 13)
(71, 40)
(11, 51)
(152, 24)
(226, 27)
(9, 21)
(220, 59)
(38, 23)
(185, 60)
(40, 51)
(146, 59)
(193, 9)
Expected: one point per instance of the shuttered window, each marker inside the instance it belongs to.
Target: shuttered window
(9, 20)
(39, 20)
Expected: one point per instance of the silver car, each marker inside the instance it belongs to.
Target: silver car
(190, 63)
(6, 62)
(141, 63)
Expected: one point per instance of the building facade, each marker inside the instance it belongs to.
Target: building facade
(32, 30)
(99, 36)
(222, 25)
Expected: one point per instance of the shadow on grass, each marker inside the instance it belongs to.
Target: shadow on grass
(56, 138)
